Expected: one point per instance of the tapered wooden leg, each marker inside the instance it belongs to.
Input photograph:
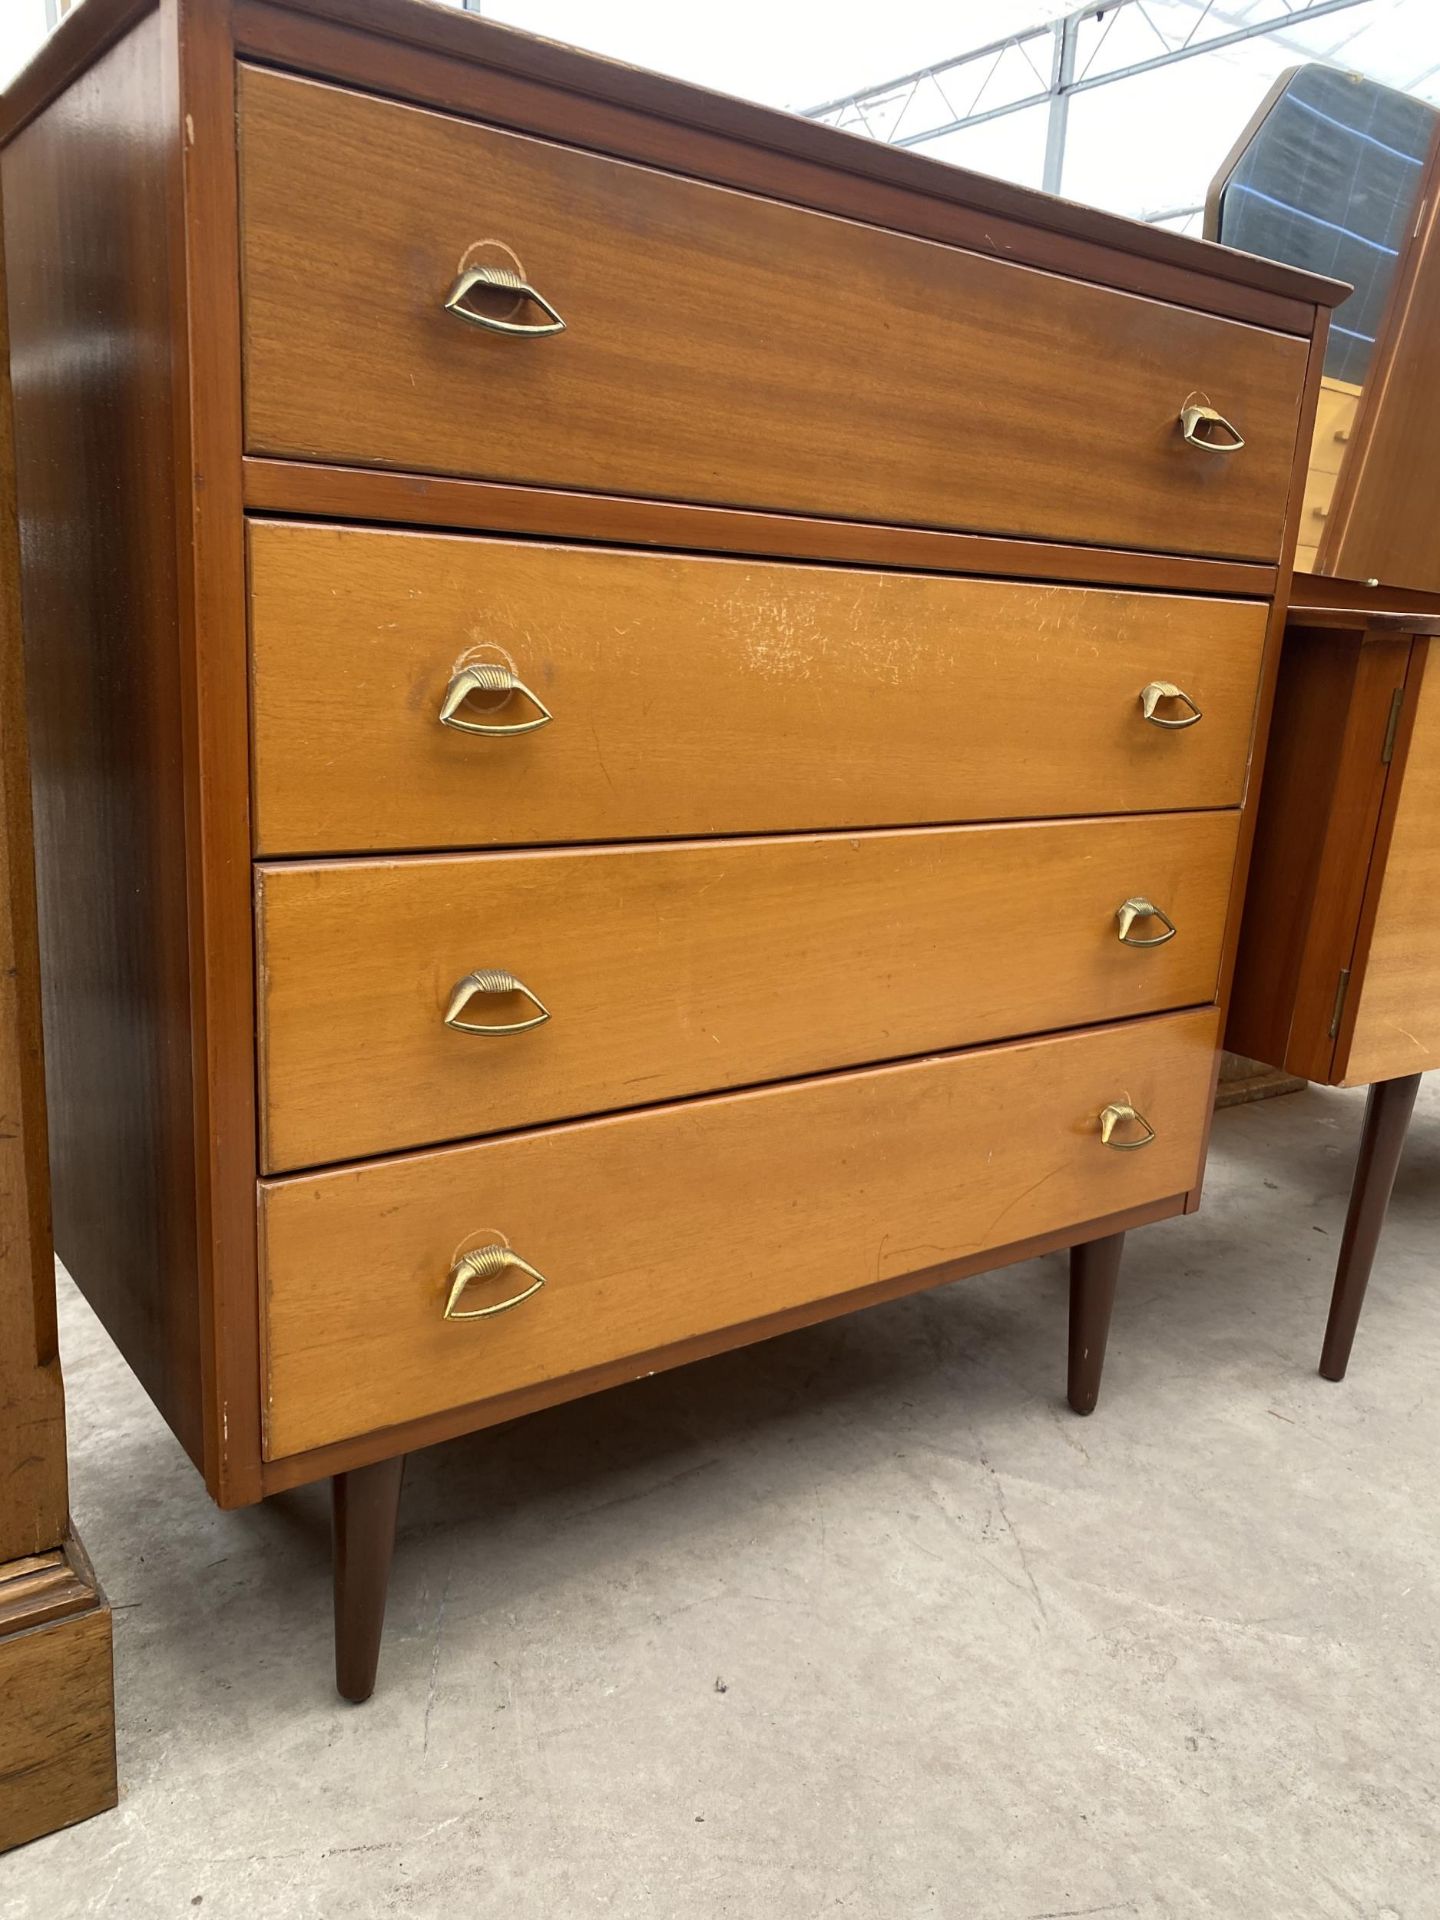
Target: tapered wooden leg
(1094, 1270)
(365, 1503)
(1387, 1115)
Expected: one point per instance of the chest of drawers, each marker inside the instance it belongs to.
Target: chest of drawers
(643, 718)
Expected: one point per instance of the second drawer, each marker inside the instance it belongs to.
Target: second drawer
(693, 966)
(705, 696)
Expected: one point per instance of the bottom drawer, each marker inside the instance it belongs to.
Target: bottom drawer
(653, 1227)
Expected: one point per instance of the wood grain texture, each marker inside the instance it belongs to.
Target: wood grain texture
(475, 66)
(34, 1502)
(76, 45)
(656, 1226)
(57, 1711)
(299, 488)
(722, 348)
(86, 201)
(384, 1443)
(697, 696)
(1393, 1027)
(43, 1587)
(1360, 605)
(695, 966)
(210, 540)
(173, 215)
(1319, 811)
(57, 1730)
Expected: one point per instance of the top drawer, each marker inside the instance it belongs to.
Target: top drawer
(721, 348)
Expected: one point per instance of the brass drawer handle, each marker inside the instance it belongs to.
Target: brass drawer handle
(491, 980)
(1158, 690)
(1111, 1118)
(485, 1263)
(1194, 417)
(489, 676)
(1137, 907)
(502, 280)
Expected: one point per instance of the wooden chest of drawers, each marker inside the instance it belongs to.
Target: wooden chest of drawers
(603, 663)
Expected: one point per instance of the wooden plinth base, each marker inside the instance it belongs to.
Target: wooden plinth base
(57, 1722)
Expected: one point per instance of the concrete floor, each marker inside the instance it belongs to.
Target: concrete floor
(862, 1621)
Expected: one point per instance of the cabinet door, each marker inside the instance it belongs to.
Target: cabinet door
(1392, 1016)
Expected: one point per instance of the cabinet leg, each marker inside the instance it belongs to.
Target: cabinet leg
(1387, 1115)
(1094, 1270)
(365, 1503)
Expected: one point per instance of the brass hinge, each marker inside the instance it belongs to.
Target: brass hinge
(1392, 725)
(1340, 992)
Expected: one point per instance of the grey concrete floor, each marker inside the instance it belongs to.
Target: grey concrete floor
(862, 1621)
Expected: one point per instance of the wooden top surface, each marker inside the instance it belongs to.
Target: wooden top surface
(83, 34)
(1360, 607)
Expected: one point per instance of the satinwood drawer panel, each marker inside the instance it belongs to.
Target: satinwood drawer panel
(652, 1227)
(721, 348)
(694, 695)
(692, 966)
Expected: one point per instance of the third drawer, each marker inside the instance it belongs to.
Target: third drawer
(703, 696)
(685, 967)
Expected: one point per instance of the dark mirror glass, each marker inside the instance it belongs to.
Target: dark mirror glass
(1330, 180)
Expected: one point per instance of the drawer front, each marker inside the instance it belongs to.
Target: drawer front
(653, 1227)
(694, 696)
(691, 967)
(721, 348)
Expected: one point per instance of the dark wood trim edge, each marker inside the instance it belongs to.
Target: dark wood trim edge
(210, 547)
(380, 497)
(1318, 599)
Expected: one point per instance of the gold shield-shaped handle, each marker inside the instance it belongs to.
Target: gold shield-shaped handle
(1137, 907)
(1158, 690)
(491, 980)
(487, 1263)
(1121, 1114)
(502, 280)
(1201, 426)
(489, 676)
